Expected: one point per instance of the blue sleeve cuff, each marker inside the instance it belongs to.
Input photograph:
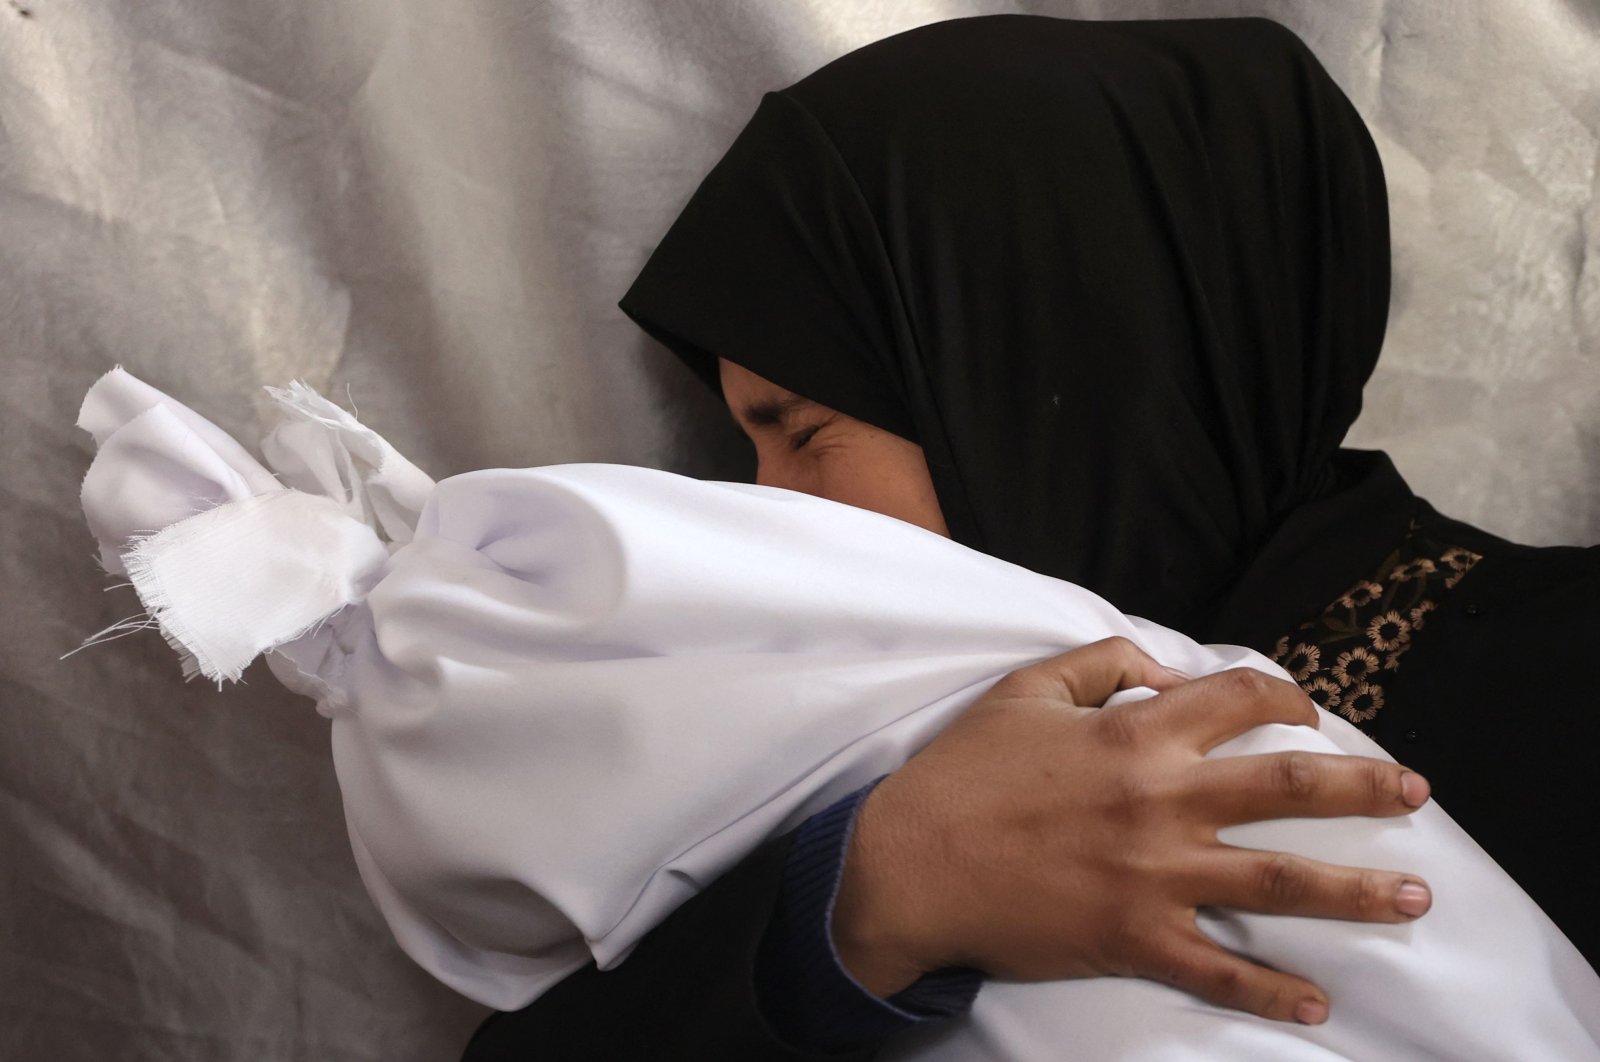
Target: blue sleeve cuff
(804, 992)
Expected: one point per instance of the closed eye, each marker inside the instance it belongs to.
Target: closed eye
(799, 440)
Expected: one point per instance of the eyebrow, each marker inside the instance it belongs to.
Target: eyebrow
(774, 411)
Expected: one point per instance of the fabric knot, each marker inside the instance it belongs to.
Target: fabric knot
(226, 561)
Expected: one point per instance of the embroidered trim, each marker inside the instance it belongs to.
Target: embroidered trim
(1340, 657)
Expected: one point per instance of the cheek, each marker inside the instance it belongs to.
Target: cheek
(893, 484)
(777, 466)
(871, 494)
(865, 468)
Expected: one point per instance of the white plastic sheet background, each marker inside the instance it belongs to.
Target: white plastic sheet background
(432, 208)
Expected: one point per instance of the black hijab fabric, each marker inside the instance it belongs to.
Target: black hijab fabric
(1123, 281)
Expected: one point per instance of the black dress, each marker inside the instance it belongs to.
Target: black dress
(1490, 696)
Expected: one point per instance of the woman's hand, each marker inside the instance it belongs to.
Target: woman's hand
(1040, 837)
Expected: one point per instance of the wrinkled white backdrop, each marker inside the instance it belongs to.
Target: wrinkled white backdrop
(431, 209)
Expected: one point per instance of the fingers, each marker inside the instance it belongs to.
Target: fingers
(1196, 964)
(1213, 709)
(1282, 884)
(1089, 675)
(1306, 785)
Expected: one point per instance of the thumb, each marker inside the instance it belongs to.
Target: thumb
(1086, 677)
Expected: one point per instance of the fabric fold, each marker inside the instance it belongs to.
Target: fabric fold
(320, 448)
(579, 693)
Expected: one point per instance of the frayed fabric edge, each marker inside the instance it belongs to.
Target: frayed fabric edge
(246, 577)
(141, 562)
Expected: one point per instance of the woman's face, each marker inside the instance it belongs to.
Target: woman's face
(807, 447)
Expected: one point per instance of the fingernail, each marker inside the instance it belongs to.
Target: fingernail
(1414, 789)
(1180, 674)
(1412, 899)
(1311, 1013)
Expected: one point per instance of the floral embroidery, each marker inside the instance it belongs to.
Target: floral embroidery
(1392, 661)
(1302, 662)
(1354, 667)
(1362, 594)
(1362, 703)
(1460, 562)
(1416, 569)
(1330, 693)
(1339, 657)
(1389, 632)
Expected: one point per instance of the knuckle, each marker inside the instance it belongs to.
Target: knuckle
(1024, 682)
(1246, 683)
(1171, 968)
(1226, 985)
(1122, 727)
(1273, 999)
(1283, 880)
(1121, 647)
(1132, 796)
(1010, 686)
(1367, 895)
(1122, 941)
(1298, 776)
(1383, 784)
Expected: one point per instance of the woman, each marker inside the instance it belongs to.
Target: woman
(1098, 299)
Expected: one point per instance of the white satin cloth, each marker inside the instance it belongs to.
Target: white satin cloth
(564, 699)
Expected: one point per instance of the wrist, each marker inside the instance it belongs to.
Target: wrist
(875, 924)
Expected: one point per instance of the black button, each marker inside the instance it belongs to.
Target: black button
(1473, 609)
(1411, 737)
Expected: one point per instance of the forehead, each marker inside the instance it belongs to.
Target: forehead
(754, 399)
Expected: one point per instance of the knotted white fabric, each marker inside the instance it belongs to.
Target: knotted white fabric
(564, 699)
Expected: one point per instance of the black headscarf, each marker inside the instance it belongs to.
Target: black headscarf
(1123, 281)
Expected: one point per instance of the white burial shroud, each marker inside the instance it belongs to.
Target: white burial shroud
(564, 699)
